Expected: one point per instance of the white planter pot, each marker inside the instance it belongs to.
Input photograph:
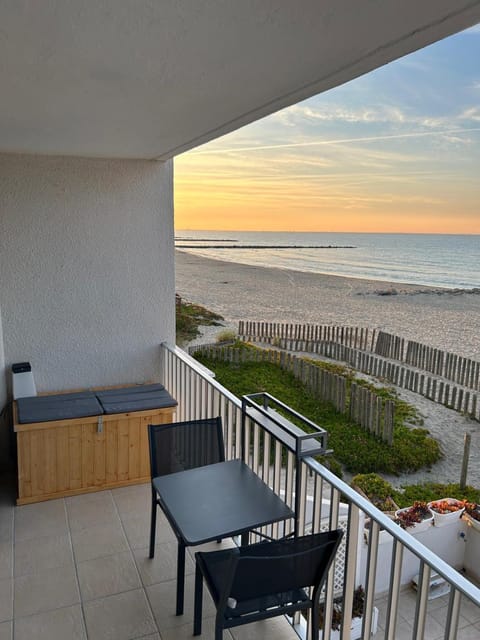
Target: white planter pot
(442, 519)
(475, 524)
(356, 628)
(419, 526)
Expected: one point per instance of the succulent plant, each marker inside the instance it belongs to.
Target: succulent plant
(410, 516)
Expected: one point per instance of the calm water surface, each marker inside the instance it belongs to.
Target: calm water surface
(451, 261)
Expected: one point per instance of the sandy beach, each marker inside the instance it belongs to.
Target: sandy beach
(439, 318)
(444, 319)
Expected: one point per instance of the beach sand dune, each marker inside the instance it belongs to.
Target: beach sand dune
(441, 319)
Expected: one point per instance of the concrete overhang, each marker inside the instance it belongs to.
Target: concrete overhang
(154, 78)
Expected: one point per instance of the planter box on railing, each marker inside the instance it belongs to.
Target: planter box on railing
(262, 409)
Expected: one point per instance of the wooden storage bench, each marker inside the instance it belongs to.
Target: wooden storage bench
(72, 455)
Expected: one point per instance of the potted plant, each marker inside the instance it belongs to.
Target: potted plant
(446, 511)
(377, 490)
(418, 517)
(472, 514)
(358, 607)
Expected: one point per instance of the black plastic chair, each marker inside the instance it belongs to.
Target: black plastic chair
(180, 446)
(264, 580)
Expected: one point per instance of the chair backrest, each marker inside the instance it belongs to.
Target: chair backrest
(284, 565)
(180, 446)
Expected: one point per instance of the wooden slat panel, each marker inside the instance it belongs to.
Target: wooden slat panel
(62, 463)
(24, 465)
(134, 447)
(111, 453)
(75, 456)
(122, 448)
(50, 469)
(144, 453)
(88, 458)
(37, 452)
(100, 471)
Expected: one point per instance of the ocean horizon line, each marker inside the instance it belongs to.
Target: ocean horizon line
(382, 233)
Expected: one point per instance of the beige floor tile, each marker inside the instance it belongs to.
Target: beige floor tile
(152, 636)
(469, 611)
(40, 519)
(6, 630)
(43, 553)
(6, 599)
(6, 524)
(162, 597)
(137, 530)
(98, 541)
(433, 628)
(91, 509)
(272, 629)
(133, 501)
(125, 616)
(163, 566)
(403, 631)
(106, 576)
(6, 560)
(44, 591)
(185, 631)
(60, 624)
(471, 632)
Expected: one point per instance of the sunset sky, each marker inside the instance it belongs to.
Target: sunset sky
(397, 150)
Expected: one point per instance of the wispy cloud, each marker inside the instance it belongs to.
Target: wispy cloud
(472, 113)
(314, 143)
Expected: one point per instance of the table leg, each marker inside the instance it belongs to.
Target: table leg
(180, 578)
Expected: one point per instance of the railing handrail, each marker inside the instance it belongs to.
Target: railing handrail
(412, 544)
(200, 369)
(422, 552)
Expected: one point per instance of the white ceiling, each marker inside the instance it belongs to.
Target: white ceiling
(153, 78)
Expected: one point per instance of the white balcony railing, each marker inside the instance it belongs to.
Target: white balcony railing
(382, 562)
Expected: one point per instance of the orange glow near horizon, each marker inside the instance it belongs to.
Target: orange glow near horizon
(394, 151)
(206, 198)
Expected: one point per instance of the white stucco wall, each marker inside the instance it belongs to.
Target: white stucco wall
(86, 268)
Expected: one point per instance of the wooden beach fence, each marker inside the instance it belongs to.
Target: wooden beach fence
(363, 406)
(374, 361)
(463, 371)
(357, 337)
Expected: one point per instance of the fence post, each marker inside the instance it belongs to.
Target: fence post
(466, 454)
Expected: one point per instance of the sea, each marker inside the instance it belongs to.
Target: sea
(436, 260)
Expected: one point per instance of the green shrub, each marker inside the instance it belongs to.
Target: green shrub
(378, 490)
(227, 335)
(189, 317)
(434, 491)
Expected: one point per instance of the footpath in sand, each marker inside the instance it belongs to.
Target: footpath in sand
(447, 320)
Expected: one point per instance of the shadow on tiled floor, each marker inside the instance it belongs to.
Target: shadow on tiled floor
(78, 568)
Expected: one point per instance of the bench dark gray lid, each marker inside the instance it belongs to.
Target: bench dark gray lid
(63, 406)
(130, 391)
(139, 398)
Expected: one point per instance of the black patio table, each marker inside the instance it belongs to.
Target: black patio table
(214, 502)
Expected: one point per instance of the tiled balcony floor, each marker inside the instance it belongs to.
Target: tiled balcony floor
(78, 568)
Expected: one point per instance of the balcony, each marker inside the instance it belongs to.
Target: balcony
(78, 567)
